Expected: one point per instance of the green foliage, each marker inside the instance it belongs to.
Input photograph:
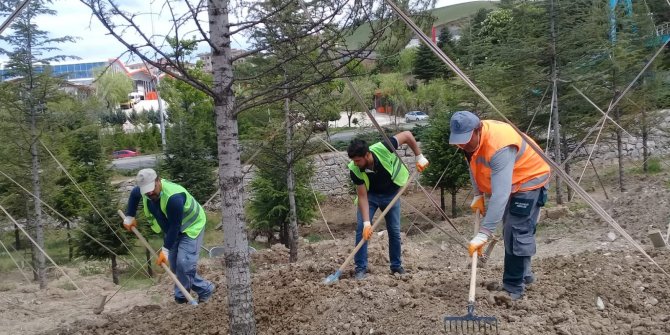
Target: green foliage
(268, 207)
(443, 157)
(112, 88)
(89, 170)
(191, 148)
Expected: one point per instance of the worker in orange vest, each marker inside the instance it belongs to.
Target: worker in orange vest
(514, 177)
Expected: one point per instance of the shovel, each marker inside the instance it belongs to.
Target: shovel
(471, 323)
(146, 244)
(336, 276)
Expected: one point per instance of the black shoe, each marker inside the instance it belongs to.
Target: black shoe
(399, 271)
(180, 300)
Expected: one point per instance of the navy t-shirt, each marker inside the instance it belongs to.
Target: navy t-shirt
(380, 179)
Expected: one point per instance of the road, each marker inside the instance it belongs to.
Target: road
(134, 163)
(347, 135)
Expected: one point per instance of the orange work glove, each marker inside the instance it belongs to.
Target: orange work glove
(421, 163)
(477, 244)
(162, 257)
(129, 222)
(367, 230)
(478, 203)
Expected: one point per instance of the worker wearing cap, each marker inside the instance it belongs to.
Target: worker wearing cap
(172, 210)
(378, 174)
(504, 167)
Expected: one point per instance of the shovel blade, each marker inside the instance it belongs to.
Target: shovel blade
(332, 278)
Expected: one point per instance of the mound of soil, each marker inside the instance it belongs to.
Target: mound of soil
(589, 281)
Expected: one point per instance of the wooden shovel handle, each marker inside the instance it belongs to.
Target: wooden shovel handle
(377, 221)
(171, 274)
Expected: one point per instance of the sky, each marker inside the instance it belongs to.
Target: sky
(95, 44)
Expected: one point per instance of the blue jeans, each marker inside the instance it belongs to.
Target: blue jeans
(380, 201)
(519, 225)
(183, 260)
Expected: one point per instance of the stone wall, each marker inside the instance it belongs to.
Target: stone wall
(332, 176)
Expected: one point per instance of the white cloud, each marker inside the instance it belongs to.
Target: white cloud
(93, 41)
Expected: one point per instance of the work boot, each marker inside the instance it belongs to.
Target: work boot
(180, 300)
(400, 271)
(529, 279)
(360, 275)
(202, 298)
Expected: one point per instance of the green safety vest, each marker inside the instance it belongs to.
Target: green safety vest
(390, 161)
(193, 218)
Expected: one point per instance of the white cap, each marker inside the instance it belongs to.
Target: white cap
(146, 179)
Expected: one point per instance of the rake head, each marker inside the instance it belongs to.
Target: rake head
(470, 323)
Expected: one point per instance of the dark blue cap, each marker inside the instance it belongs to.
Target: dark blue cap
(462, 125)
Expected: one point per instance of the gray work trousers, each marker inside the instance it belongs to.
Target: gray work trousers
(519, 225)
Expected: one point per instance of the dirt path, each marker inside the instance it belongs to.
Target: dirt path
(578, 261)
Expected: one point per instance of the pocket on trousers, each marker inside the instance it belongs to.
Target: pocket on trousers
(524, 244)
(521, 207)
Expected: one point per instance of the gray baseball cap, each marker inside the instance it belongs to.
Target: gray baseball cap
(462, 124)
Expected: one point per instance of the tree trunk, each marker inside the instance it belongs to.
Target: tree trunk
(567, 164)
(150, 270)
(619, 149)
(40, 265)
(290, 187)
(70, 245)
(645, 138)
(115, 271)
(17, 238)
(236, 246)
(554, 101)
(442, 205)
(453, 204)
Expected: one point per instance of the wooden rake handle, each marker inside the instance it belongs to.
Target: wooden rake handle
(377, 221)
(165, 267)
(473, 272)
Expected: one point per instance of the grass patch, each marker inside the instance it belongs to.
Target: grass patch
(312, 238)
(92, 268)
(69, 286)
(140, 281)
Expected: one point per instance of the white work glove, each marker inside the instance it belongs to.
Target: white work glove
(162, 256)
(367, 230)
(129, 222)
(421, 163)
(477, 244)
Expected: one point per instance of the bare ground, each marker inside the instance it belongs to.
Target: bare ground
(577, 263)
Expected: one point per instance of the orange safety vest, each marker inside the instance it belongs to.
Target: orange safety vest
(530, 171)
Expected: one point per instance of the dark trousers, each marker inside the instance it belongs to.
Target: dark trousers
(519, 225)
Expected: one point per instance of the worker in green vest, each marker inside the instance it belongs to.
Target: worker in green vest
(378, 174)
(172, 210)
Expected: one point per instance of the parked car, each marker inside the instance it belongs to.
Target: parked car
(128, 104)
(124, 153)
(135, 96)
(416, 116)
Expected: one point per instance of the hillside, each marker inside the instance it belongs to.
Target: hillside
(443, 15)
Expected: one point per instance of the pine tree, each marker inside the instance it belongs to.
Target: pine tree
(89, 169)
(188, 157)
(444, 158)
(27, 97)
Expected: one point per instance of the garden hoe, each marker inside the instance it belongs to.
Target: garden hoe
(176, 281)
(336, 276)
(471, 323)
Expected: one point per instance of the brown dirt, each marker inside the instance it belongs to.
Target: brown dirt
(577, 263)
